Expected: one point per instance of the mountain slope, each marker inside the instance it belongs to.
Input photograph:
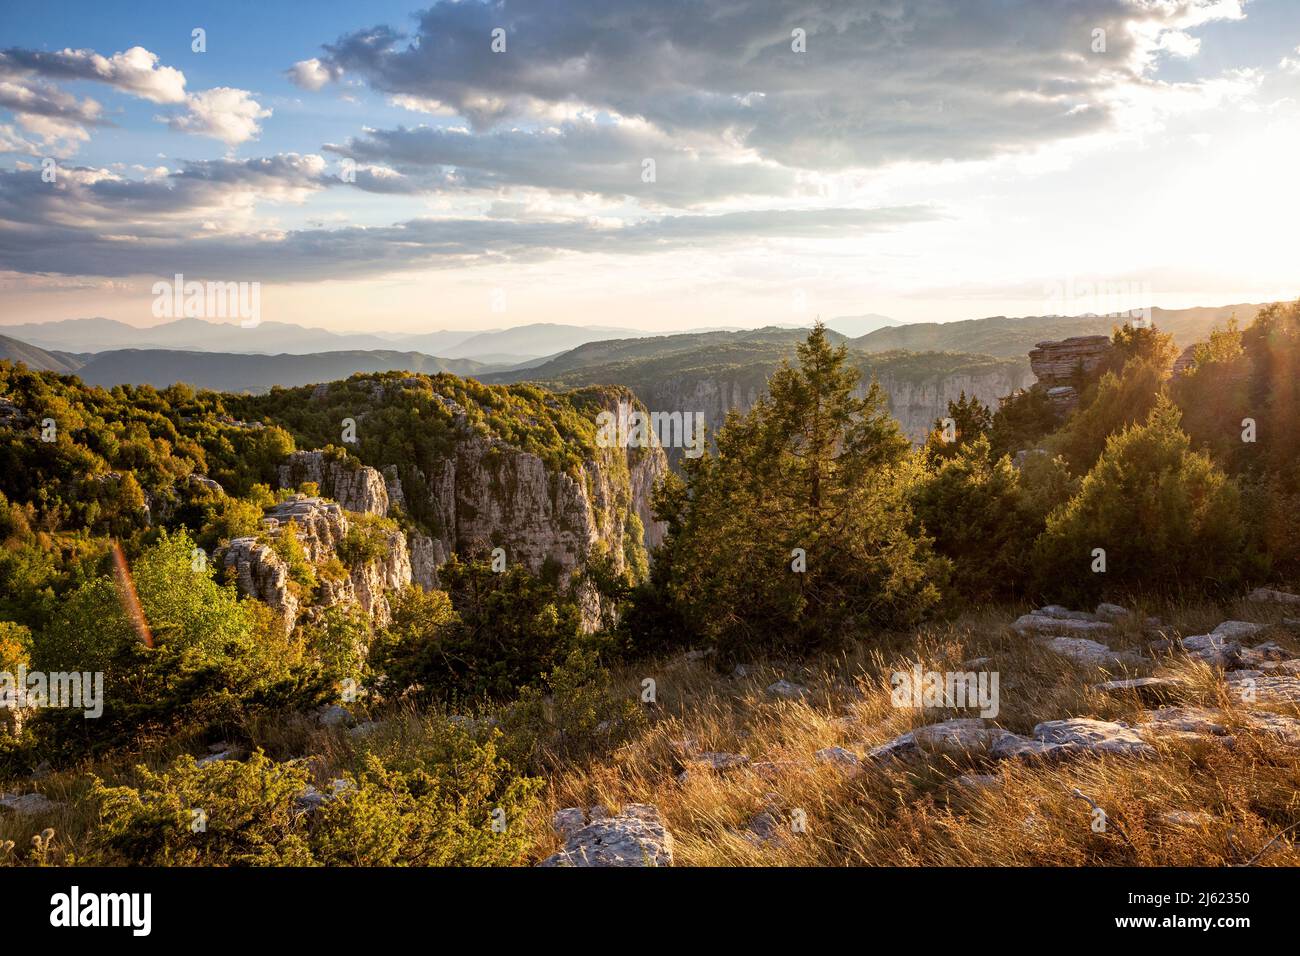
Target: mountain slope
(714, 372)
(38, 359)
(1008, 337)
(254, 373)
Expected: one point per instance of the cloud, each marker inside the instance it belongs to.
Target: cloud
(312, 74)
(135, 71)
(223, 113)
(580, 156)
(229, 115)
(95, 223)
(880, 82)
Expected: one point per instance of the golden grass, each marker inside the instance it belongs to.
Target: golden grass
(904, 813)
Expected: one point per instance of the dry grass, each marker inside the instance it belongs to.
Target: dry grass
(900, 813)
(915, 813)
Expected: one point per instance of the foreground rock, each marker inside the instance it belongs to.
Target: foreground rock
(635, 837)
(27, 804)
(1083, 734)
(786, 690)
(1153, 689)
(1039, 623)
(1270, 596)
(1087, 652)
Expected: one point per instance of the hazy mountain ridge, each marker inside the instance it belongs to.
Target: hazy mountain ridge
(502, 346)
(1007, 337)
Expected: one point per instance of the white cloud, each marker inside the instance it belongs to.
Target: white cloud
(223, 113)
(312, 74)
(134, 71)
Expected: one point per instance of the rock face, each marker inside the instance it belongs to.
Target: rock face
(320, 526)
(355, 487)
(636, 837)
(485, 493)
(916, 401)
(1056, 365)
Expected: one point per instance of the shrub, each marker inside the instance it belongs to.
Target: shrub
(1165, 516)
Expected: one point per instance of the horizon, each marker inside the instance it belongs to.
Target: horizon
(409, 164)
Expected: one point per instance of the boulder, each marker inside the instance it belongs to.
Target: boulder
(1112, 612)
(1037, 623)
(635, 837)
(1086, 735)
(846, 759)
(956, 738)
(1211, 648)
(1271, 596)
(27, 804)
(786, 690)
(1152, 689)
(1086, 652)
(1236, 630)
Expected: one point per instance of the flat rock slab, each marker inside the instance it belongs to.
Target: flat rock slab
(1086, 735)
(1085, 651)
(718, 761)
(1255, 687)
(1043, 624)
(1153, 689)
(1271, 596)
(846, 759)
(1201, 721)
(635, 837)
(27, 804)
(961, 737)
(786, 690)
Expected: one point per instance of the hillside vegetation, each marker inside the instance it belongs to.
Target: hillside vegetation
(730, 702)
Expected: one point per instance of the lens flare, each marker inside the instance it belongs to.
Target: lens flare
(126, 594)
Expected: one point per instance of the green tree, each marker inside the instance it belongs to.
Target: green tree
(1165, 516)
(797, 531)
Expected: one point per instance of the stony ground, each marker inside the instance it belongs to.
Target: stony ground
(1148, 736)
(1122, 738)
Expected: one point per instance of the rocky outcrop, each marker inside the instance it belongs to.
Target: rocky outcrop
(915, 400)
(1059, 363)
(354, 486)
(1058, 366)
(485, 494)
(320, 527)
(635, 837)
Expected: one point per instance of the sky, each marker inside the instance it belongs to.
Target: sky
(648, 164)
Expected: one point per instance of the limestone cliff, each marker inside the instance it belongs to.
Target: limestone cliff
(462, 488)
(321, 527)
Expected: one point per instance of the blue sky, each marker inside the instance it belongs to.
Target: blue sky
(943, 159)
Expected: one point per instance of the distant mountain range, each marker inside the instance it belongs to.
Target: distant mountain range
(686, 367)
(496, 346)
(1005, 337)
(227, 372)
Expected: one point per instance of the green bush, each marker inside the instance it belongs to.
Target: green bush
(1166, 517)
